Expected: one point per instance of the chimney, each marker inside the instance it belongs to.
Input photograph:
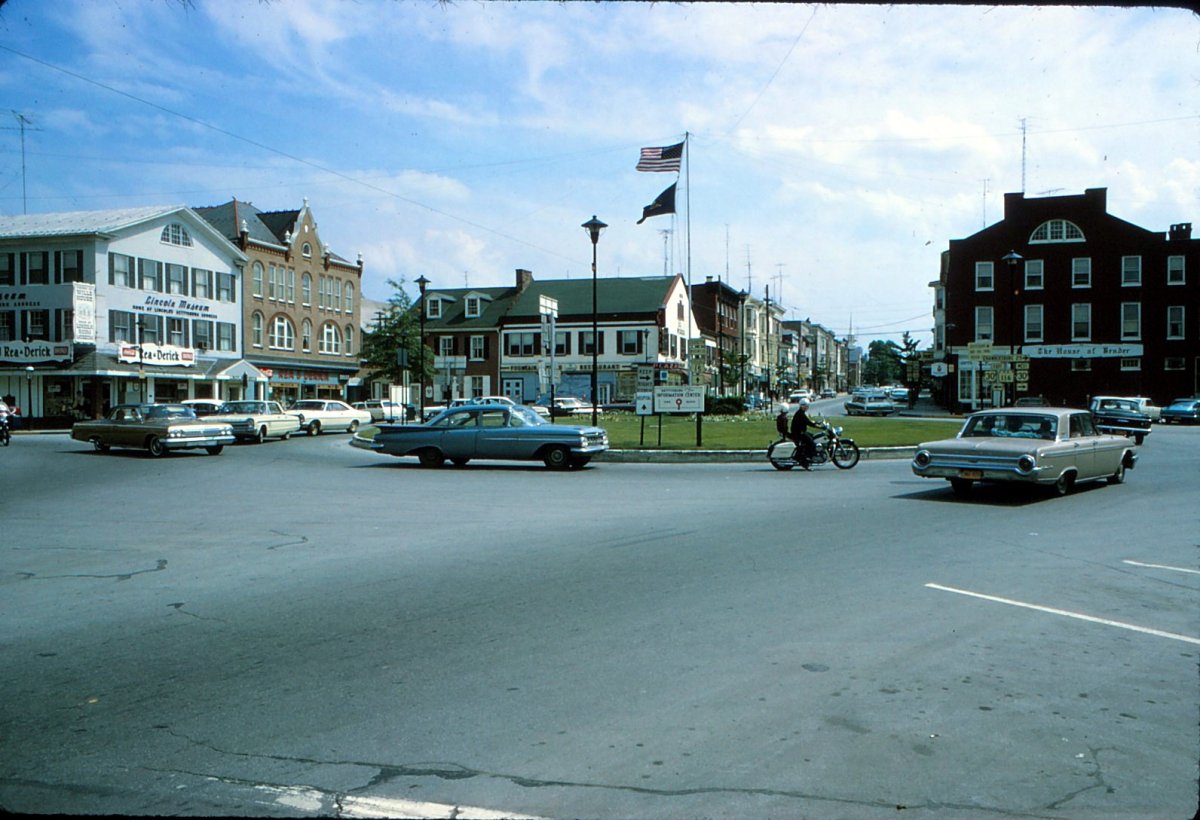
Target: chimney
(524, 278)
(1180, 231)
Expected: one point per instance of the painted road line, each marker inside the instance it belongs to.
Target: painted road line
(391, 807)
(1161, 566)
(1068, 614)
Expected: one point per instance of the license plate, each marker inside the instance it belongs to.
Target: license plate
(975, 474)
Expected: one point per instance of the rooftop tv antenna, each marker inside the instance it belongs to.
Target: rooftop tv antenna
(23, 123)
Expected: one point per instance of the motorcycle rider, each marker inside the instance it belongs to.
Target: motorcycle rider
(806, 445)
(5, 435)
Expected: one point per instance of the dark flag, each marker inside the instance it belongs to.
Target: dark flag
(664, 204)
(666, 158)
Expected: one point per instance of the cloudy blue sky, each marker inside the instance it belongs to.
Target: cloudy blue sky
(833, 150)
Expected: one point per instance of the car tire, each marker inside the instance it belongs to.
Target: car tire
(261, 435)
(99, 446)
(215, 450)
(580, 463)
(155, 447)
(430, 458)
(353, 428)
(557, 457)
(961, 486)
(1139, 438)
(1064, 484)
(1119, 476)
(286, 436)
(314, 428)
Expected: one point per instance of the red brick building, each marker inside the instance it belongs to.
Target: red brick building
(1091, 304)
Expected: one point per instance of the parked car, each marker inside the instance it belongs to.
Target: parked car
(1182, 411)
(157, 428)
(870, 405)
(492, 431)
(383, 410)
(257, 420)
(1148, 407)
(1055, 447)
(899, 395)
(203, 407)
(571, 406)
(828, 393)
(1121, 417)
(326, 414)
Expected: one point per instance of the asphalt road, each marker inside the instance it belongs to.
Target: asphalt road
(302, 628)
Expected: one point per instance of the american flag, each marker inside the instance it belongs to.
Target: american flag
(661, 159)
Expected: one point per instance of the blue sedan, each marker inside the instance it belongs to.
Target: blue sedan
(1184, 411)
(488, 431)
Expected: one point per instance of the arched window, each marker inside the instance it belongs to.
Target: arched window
(349, 297)
(1056, 230)
(306, 336)
(349, 334)
(176, 234)
(306, 289)
(283, 334)
(256, 280)
(256, 329)
(306, 250)
(331, 339)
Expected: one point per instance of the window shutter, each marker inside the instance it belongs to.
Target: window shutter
(487, 347)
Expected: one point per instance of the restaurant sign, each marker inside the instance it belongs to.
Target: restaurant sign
(156, 354)
(29, 352)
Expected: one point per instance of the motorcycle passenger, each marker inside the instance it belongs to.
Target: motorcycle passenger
(806, 445)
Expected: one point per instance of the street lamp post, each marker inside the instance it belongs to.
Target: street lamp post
(422, 283)
(1012, 258)
(594, 227)
(29, 390)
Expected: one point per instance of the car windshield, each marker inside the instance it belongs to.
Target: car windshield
(243, 407)
(1118, 404)
(309, 405)
(1006, 425)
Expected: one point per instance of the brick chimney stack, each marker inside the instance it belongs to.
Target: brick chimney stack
(524, 278)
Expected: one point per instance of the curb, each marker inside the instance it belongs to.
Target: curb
(728, 456)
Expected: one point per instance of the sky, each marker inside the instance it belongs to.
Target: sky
(833, 151)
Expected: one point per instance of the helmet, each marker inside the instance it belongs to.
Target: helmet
(802, 404)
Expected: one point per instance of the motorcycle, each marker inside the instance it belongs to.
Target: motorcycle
(830, 446)
(5, 434)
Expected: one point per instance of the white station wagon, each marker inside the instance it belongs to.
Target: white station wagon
(1049, 446)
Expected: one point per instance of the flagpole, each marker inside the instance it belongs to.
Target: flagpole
(687, 170)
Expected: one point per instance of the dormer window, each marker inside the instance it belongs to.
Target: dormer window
(434, 309)
(306, 250)
(474, 307)
(176, 234)
(1057, 230)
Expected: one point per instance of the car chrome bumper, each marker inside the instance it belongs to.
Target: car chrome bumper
(366, 443)
(192, 442)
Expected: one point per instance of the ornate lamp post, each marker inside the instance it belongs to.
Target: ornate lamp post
(422, 283)
(594, 227)
(1012, 258)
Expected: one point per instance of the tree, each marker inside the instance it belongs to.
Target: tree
(883, 363)
(396, 331)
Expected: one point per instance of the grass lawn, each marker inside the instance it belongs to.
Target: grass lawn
(755, 431)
